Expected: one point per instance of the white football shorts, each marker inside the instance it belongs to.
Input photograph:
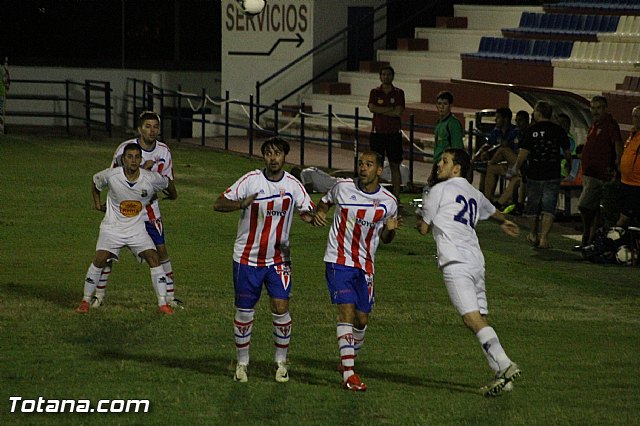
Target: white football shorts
(465, 285)
(112, 240)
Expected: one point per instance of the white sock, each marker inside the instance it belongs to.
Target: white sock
(91, 281)
(101, 288)
(358, 338)
(159, 281)
(496, 356)
(344, 333)
(281, 335)
(242, 328)
(168, 270)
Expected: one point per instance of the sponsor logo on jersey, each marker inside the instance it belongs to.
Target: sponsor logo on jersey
(279, 213)
(363, 222)
(144, 193)
(353, 197)
(130, 208)
(376, 203)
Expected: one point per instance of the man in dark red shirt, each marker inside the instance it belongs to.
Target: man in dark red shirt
(600, 156)
(386, 103)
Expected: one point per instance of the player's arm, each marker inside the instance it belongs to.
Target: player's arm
(389, 229)
(97, 202)
(422, 226)
(507, 226)
(223, 204)
(319, 217)
(522, 157)
(171, 192)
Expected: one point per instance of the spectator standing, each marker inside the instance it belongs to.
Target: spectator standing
(448, 132)
(602, 151)
(386, 103)
(541, 147)
(630, 174)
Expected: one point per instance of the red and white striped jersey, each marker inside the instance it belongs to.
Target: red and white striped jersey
(263, 228)
(357, 223)
(162, 163)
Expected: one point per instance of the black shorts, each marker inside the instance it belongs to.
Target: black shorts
(630, 201)
(389, 144)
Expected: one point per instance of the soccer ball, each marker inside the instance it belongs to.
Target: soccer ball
(624, 255)
(615, 233)
(252, 7)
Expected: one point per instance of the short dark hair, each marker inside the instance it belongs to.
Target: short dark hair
(600, 98)
(132, 147)
(445, 94)
(522, 114)
(389, 68)
(505, 112)
(461, 158)
(276, 142)
(545, 109)
(379, 158)
(148, 115)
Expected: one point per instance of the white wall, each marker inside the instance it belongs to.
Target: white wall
(192, 82)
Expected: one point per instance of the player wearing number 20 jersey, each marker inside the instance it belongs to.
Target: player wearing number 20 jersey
(451, 211)
(453, 208)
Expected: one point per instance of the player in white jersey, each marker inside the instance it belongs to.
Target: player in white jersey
(261, 253)
(365, 214)
(156, 157)
(130, 189)
(451, 210)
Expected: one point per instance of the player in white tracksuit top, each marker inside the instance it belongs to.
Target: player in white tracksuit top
(451, 211)
(130, 189)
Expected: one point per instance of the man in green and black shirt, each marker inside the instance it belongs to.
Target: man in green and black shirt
(448, 132)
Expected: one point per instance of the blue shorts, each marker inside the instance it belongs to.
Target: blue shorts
(542, 196)
(248, 280)
(350, 286)
(155, 230)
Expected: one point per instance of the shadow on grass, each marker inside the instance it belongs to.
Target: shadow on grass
(370, 372)
(48, 293)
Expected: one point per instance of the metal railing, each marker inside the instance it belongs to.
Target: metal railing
(88, 102)
(352, 129)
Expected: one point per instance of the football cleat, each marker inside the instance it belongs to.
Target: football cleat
(166, 309)
(282, 375)
(502, 380)
(83, 308)
(176, 303)
(353, 383)
(241, 373)
(96, 301)
(494, 387)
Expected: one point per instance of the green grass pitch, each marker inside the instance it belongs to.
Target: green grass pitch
(574, 327)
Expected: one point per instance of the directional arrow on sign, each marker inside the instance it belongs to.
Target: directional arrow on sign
(298, 39)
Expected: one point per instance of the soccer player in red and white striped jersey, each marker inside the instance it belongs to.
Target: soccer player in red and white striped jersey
(365, 214)
(261, 252)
